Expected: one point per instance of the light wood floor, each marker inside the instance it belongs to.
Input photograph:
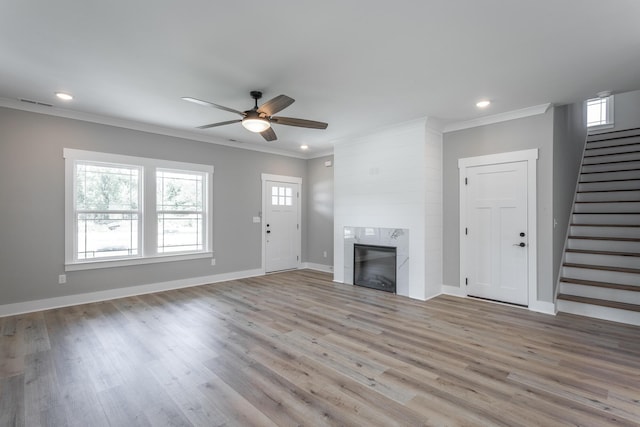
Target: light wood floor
(296, 349)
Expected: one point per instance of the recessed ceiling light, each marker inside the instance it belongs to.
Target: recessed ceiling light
(304, 147)
(483, 104)
(64, 96)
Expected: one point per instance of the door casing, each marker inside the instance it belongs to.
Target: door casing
(531, 157)
(265, 197)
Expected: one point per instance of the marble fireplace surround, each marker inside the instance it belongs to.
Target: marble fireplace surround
(394, 237)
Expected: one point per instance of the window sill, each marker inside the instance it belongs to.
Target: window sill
(600, 127)
(108, 263)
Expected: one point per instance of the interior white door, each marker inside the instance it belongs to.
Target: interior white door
(496, 232)
(281, 226)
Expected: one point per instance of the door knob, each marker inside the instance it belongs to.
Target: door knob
(268, 231)
(521, 234)
(521, 244)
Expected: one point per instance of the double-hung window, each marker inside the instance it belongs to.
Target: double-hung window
(124, 210)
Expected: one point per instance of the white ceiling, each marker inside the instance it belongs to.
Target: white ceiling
(358, 65)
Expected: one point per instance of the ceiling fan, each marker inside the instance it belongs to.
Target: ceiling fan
(259, 119)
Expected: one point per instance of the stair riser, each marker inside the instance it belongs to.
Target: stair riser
(631, 297)
(601, 276)
(607, 176)
(609, 167)
(612, 218)
(604, 245)
(633, 232)
(607, 207)
(627, 148)
(598, 312)
(626, 137)
(604, 260)
(608, 186)
(631, 196)
(616, 156)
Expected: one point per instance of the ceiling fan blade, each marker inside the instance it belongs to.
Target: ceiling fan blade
(211, 104)
(213, 125)
(290, 121)
(276, 104)
(269, 134)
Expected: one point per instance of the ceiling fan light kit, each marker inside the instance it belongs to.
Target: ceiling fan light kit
(259, 119)
(254, 123)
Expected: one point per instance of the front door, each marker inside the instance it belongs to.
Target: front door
(496, 232)
(281, 226)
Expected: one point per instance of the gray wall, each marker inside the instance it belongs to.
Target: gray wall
(569, 137)
(320, 211)
(513, 135)
(32, 209)
(626, 111)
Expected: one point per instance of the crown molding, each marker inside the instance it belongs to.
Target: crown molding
(147, 127)
(498, 118)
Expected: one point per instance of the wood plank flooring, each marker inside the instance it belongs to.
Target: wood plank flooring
(296, 349)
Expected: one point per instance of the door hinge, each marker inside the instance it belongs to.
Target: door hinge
(297, 258)
(466, 182)
(466, 280)
(466, 231)
(297, 226)
(298, 194)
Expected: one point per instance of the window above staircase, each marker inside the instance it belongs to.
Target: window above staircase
(599, 111)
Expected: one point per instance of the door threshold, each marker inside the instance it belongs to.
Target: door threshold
(495, 301)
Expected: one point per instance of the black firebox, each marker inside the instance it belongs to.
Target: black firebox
(374, 267)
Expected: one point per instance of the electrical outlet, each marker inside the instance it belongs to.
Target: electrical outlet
(62, 279)
(213, 261)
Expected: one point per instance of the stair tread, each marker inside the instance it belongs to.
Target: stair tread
(609, 180)
(608, 163)
(600, 284)
(610, 201)
(594, 252)
(609, 191)
(617, 239)
(610, 171)
(604, 303)
(611, 146)
(604, 225)
(602, 267)
(606, 213)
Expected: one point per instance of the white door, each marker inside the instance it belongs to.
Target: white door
(496, 232)
(281, 226)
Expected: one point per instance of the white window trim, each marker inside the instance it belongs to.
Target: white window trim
(610, 109)
(148, 248)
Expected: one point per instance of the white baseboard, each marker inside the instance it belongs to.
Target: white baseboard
(543, 307)
(453, 290)
(65, 301)
(318, 267)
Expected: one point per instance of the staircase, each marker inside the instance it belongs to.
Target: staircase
(601, 271)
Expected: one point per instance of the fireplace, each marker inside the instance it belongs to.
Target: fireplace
(374, 267)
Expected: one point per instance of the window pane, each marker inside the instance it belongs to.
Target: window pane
(289, 192)
(274, 191)
(598, 111)
(106, 235)
(180, 232)
(178, 191)
(274, 200)
(106, 187)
